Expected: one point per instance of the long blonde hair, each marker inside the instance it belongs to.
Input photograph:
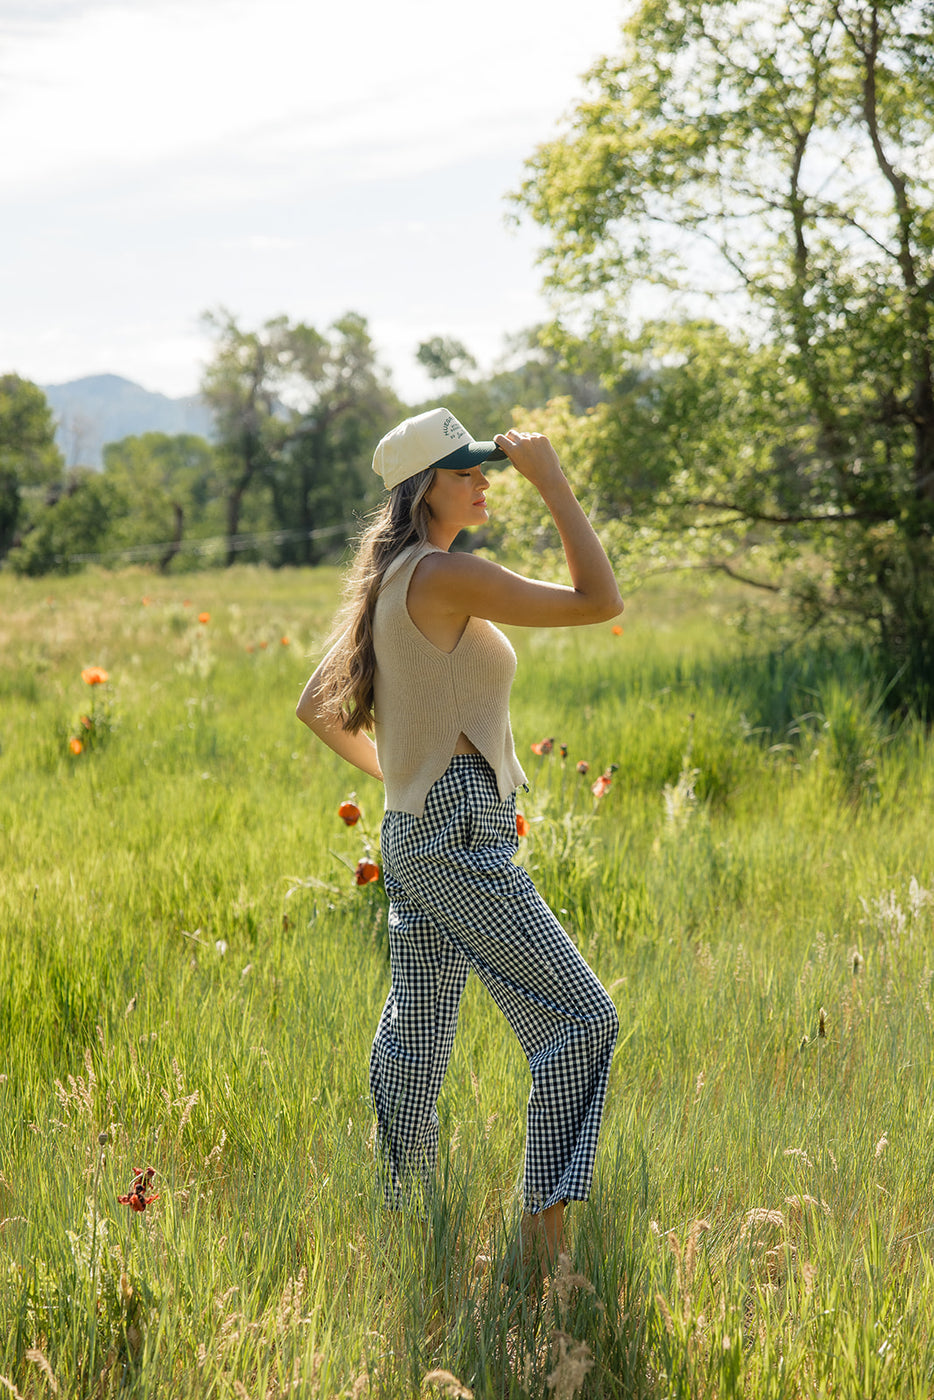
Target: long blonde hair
(346, 689)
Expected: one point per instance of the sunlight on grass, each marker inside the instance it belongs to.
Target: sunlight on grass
(192, 973)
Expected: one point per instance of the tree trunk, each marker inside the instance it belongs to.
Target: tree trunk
(176, 544)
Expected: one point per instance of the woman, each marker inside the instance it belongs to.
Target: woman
(417, 659)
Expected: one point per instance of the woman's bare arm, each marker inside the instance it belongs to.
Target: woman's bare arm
(464, 585)
(357, 749)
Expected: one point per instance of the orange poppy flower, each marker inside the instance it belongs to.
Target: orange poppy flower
(544, 746)
(75, 745)
(136, 1197)
(204, 617)
(349, 812)
(86, 722)
(94, 675)
(284, 641)
(263, 646)
(617, 631)
(522, 825)
(366, 872)
(583, 767)
(605, 781)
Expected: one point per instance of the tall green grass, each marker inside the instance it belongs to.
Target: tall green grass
(188, 968)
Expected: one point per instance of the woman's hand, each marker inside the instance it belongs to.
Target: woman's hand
(533, 457)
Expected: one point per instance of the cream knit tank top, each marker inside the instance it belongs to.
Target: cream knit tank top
(424, 698)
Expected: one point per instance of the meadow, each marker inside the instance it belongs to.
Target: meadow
(190, 977)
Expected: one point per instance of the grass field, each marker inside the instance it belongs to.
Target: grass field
(188, 969)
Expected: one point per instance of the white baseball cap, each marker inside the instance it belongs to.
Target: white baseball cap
(432, 439)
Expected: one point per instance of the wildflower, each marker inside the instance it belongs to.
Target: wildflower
(543, 747)
(522, 825)
(94, 675)
(86, 722)
(602, 786)
(204, 617)
(263, 646)
(221, 945)
(136, 1197)
(366, 872)
(583, 767)
(349, 812)
(564, 752)
(283, 641)
(617, 630)
(146, 602)
(75, 744)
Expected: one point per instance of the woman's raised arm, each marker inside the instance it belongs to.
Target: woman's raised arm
(462, 584)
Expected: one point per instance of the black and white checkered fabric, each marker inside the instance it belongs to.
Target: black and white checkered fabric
(457, 902)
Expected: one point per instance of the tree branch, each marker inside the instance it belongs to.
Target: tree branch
(718, 566)
(840, 518)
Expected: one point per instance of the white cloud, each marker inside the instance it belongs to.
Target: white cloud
(274, 156)
(120, 86)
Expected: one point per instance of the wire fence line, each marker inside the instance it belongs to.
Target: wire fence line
(211, 544)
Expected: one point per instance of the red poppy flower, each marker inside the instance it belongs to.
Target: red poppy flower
(583, 767)
(366, 872)
(522, 825)
(94, 675)
(349, 812)
(136, 1197)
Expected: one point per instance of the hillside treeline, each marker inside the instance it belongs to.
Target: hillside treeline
(288, 474)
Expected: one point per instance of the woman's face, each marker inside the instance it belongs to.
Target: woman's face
(456, 499)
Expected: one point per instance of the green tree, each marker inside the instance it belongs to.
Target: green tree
(71, 527)
(29, 458)
(172, 488)
(443, 357)
(241, 386)
(776, 157)
(319, 470)
(298, 412)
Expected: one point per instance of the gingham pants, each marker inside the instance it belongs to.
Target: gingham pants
(457, 902)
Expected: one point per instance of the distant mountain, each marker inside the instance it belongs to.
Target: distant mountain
(103, 408)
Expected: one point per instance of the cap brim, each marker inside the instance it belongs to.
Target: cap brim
(472, 454)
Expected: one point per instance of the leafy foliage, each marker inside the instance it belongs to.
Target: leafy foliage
(298, 413)
(774, 163)
(29, 458)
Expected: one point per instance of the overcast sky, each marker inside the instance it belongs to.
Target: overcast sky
(272, 156)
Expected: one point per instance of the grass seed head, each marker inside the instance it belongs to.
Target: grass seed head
(448, 1383)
